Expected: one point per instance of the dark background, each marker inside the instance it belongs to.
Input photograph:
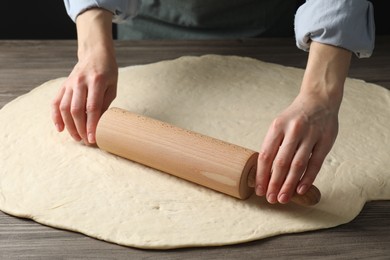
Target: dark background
(48, 19)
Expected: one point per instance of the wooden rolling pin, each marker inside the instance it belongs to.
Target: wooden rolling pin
(201, 159)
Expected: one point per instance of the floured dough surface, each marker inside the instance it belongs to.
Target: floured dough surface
(53, 180)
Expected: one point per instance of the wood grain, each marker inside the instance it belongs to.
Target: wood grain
(27, 64)
(204, 160)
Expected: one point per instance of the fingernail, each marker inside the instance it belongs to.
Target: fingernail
(91, 140)
(271, 198)
(58, 127)
(283, 198)
(302, 189)
(259, 190)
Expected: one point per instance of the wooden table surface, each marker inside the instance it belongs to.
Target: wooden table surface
(25, 65)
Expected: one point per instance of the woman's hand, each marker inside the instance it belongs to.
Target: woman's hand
(85, 95)
(295, 147)
(299, 139)
(91, 86)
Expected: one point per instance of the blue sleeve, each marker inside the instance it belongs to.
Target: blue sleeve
(122, 9)
(347, 24)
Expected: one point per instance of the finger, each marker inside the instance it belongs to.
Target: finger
(94, 111)
(297, 168)
(55, 110)
(77, 111)
(314, 165)
(266, 157)
(66, 116)
(281, 167)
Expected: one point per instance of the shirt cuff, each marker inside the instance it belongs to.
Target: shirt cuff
(347, 24)
(121, 9)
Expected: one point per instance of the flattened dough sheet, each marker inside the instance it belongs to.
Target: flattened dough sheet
(48, 177)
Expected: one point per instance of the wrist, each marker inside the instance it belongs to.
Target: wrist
(94, 33)
(325, 74)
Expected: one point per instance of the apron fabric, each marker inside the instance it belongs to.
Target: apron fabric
(211, 19)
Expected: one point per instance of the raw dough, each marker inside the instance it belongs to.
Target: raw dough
(53, 180)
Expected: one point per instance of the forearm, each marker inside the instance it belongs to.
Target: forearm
(325, 74)
(94, 32)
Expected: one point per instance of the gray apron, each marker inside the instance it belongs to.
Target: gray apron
(210, 19)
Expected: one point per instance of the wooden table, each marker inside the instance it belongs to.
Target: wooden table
(27, 64)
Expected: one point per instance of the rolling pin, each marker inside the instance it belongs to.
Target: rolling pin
(210, 162)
